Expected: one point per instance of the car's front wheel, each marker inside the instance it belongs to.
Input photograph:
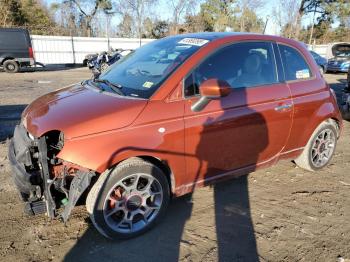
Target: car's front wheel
(320, 149)
(128, 200)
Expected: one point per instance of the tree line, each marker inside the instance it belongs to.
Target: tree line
(311, 21)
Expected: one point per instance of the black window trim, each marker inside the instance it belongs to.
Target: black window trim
(313, 75)
(279, 63)
(272, 42)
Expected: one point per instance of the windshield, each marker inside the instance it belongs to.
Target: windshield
(315, 55)
(141, 72)
(342, 50)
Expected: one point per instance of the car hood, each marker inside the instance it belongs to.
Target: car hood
(80, 110)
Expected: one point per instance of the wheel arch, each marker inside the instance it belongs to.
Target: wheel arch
(326, 113)
(161, 164)
(337, 124)
(8, 58)
(109, 158)
(164, 166)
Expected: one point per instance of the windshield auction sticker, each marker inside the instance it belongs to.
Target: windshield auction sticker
(193, 41)
(147, 84)
(302, 74)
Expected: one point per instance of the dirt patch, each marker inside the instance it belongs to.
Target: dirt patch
(280, 213)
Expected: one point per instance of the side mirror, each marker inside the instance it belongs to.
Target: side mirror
(211, 89)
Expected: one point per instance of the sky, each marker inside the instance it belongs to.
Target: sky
(264, 13)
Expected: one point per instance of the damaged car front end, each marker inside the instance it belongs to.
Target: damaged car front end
(50, 168)
(44, 181)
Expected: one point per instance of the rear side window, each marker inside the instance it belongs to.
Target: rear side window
(242, 65)
(13, 40)
(294, 64)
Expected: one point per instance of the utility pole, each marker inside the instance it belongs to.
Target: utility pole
(107, 31)
(108, 21)
(267, 20)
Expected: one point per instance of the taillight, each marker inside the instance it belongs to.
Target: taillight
(30, 51)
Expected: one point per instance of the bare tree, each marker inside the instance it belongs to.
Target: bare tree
(138, 9)
(180, 8)
(247, 10)
(5, 17)
(87, 16)
(286, 16)
(125, 27)
(247, 7)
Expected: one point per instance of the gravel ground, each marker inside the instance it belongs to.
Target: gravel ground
(280, 213)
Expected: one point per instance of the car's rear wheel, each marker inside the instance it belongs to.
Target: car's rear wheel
(11, 66)
(320, 148)
(128, 200)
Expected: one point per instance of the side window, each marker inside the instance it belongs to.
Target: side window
(294, 64)
(242, 65)
(13, 40)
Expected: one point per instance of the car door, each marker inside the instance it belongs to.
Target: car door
(248, 127)
(308, 92)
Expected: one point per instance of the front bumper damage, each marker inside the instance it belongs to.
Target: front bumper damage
(45, 182)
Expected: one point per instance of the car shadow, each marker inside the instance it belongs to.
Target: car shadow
(163, 243)
(10, 116)
(179, 236)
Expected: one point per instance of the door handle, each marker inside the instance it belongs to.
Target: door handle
(283, 107)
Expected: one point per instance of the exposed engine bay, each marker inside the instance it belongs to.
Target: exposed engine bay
(45, 182)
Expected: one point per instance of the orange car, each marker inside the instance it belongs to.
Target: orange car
(175, 114)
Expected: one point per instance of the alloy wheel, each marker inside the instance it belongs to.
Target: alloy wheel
(133, 203)
(323, 148)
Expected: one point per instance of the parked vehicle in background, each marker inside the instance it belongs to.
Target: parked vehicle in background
(321, 61)
(346, 99)
(341, 58)
(88, 58)
(15, 49)
(104, 60)
(95, 63)
(178, 113)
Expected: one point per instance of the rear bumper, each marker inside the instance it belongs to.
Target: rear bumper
(26, 61)
(339, 68)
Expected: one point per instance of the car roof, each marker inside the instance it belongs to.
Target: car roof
(210, 35)
(14, 30)
(213, 36)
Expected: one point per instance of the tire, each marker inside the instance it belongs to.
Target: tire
(308, 159)
(11, 66)
(132, 208)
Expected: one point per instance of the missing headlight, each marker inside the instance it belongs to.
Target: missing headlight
(55, 142)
